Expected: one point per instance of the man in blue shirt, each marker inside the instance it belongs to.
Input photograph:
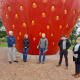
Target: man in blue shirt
(11, 46)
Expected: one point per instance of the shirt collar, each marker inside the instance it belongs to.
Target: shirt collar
(10, 36)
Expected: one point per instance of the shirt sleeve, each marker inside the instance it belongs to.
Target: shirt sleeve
(46, 44)
(23, 41)
(39, 43)
(14, 40)
(59, 43)
(28, 43)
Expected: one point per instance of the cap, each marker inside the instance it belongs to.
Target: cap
(63, 36)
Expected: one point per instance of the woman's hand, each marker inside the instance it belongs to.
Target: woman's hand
(37, 47)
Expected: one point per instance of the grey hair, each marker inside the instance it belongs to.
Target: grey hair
(10, 32)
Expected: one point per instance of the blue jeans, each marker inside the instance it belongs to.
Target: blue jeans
(25, 51)
(40, 53)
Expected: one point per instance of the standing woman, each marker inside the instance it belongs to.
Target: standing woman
(26, 43)
(76, 58)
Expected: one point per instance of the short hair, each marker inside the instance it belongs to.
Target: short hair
(10, 32)
(78, 38)
(44, 34)
(25, 35)
(63, 36)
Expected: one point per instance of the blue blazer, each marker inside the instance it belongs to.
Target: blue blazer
(11, 41)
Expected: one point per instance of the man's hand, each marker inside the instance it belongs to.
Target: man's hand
(45, 51)
(14, 45)
(37, 46)
(73, 54)
(25, 47)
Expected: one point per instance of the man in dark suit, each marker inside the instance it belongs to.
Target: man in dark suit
(63, 44)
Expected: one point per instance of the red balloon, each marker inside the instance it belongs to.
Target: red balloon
(34, 17)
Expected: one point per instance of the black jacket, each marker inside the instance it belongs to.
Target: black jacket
(26, 43)
(60, 44)
(77, 52)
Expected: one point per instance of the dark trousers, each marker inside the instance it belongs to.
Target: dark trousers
(77, 67)
(65, 53)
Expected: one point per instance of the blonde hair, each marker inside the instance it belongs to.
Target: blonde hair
(78, 39)
(25, 35)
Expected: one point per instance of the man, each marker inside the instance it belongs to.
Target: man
(11, 46)
(63, 44)
(43, 43)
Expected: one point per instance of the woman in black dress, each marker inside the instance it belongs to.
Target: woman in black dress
(26, 43)
(76, 58)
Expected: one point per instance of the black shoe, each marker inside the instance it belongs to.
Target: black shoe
(16, 61)
(10, 62)
(25, 61)
(38, 62)
(42, 62)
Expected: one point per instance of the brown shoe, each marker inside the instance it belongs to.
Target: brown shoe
(66, 68)
(74, 74)
(58, 65)
(77, 76)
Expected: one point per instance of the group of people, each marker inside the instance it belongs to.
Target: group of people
(63, 44)
(43, 44)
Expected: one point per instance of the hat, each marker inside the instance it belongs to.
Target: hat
(63, 36)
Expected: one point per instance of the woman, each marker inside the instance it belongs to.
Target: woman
(26, 43)
(76, 58)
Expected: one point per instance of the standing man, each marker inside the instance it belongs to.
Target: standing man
(11, 46)
(63, 44)
(43, 43)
